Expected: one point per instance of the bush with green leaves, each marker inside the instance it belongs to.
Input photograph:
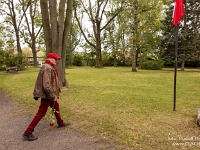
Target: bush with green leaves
(8, 58)
(2, 65)
(108, 60)
(78, 60)
(152, 65)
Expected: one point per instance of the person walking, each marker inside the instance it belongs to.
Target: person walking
(47, 88)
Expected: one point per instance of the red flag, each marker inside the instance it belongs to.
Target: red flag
(178, 11)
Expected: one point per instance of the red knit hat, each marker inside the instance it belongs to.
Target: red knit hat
(53, 55)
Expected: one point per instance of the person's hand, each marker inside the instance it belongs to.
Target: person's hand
(55, 99)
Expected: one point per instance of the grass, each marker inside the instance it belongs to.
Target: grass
(132, 109)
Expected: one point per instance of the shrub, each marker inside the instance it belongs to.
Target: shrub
(108, 61)
(15, 60)
(152, 65)
(78, 60)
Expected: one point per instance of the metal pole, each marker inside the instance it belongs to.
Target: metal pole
(175, 70)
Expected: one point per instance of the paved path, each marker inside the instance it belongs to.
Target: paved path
(13, 122)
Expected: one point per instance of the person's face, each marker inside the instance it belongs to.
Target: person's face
(54, 61)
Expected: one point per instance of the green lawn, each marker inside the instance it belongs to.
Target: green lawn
(134, 109)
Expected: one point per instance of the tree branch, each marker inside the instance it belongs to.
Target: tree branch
(111, 19)
(101, 16)
(24, 13)
(79, 24)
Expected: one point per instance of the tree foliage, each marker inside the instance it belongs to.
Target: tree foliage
(138, 27)
(189, 34)
(31, 30)
(95, 12)
(13, 18)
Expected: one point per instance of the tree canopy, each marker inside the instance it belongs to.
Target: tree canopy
(189, 34)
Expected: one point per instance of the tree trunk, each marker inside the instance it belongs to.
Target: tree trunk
(54, 26)
(57, 23)
(135, 27)
(46, 25)
(115, 60)
(35, 63)
(16, 27)
(99, 62)
(19, 49)
(56, 31)
(183, 64)
(33, 46)
(134, 59)
(65, 38)
(141, 60)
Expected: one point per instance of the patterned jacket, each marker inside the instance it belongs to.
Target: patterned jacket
(47, 84)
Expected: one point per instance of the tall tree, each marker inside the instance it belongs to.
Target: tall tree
(189, 34)
(95, 12)
(10, 9)
(142, 22)
(32, 27)
(114, 37)
(73, 42)
(56, 27)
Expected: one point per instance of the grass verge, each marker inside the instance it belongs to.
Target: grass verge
(133, 109)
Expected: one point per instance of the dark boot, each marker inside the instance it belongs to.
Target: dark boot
(29, 137)
(64, 125)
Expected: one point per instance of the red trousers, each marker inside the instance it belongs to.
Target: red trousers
(41, 113)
